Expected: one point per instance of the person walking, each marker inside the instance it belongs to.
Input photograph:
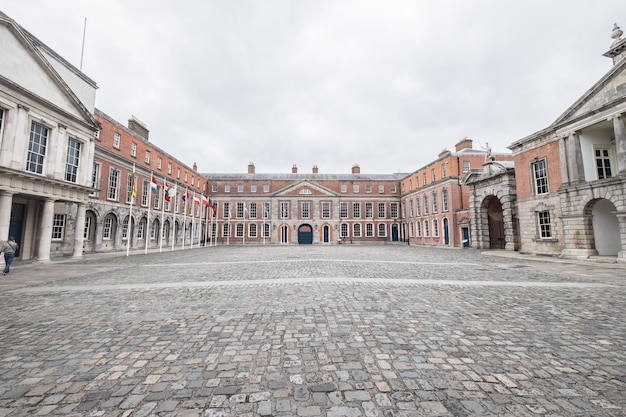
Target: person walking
(9, 247)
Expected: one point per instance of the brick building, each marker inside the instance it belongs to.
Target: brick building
(305, 207)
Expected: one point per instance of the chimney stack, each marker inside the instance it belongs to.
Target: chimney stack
(294, 169)
(195, 167)
(315, 170)
(138, 127)
(251, 168)
(464, 143)
(356, 169)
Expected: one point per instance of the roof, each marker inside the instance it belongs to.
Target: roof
(303, 177)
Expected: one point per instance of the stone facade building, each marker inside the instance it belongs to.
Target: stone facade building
(47, 144)
(569, 196)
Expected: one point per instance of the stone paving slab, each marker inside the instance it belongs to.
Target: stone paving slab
(236, 331)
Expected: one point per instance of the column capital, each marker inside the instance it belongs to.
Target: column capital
(616, 116)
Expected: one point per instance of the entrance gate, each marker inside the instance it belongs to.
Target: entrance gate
(305, 234)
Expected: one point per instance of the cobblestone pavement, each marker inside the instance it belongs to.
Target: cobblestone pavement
(313, 331)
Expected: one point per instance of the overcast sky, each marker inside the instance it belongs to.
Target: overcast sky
(385, 84)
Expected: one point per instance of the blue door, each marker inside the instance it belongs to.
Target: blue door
(394, 233)
(15, 225)
(446, 232)
(466, 239)
(326, 234)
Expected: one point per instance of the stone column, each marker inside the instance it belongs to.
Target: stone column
(79, 230)
(45, 230)
(575, 158)
(620, 142)
(563, 160)
(6, 201)
(621, 218)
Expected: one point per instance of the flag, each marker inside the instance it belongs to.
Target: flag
(205, 201)
(153, 183)
(166, 191)
(214, 207)
(133, 183)
(196, 199)
(185, 195)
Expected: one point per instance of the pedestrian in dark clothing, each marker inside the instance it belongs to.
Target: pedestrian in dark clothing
(9, 247)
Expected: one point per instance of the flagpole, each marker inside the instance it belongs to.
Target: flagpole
(206, 224)
(185, 216)
(130, 214)
(174, 224)
(243, 242)
(148, 223)
(162, 217)
(228, 236)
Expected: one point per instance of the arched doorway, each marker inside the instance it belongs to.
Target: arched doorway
(446, 231)
(89, 244)
(495, 220)
(305, 234)
(605, 228)
(394, 232)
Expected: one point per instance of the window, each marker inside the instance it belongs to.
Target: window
(226, 230)
(240, 210)
(355, 188)
(37, 148)
(239, 230)
(418, 227)
(240, 188)
(227, 188)
(117, 138)
(147, 157)
(603, 163)
(325, 210)
(253, 188)
(71, 161)
(157, 197)
(214, 188)
(393, 189)
(545, 227)
(356, 210)
(95, 176)
(266, 210)
(356, 230)
(284, 210)
(129, 188)
(435, 228)
(435, 207)
(343, 210)
(141, 230)
(87, 229)
(540, 176)
(344, 188)
(411, 230)
(159, 162)
(381, 210)
(253, 211)
(411, 213)
(178, 173)
(125, 229)
(305, 210)
(466, 167)
(368, 189)
(417, 207)
(425, 205)
(186, 177)
(252, 230)
(226, 211)
(369, 211)
(266, 188)
(394, 210)
(114, 177)
(381, 189)
(145, 187)
(266, 230)
(444, 200)
(426, 229)
(382, 230)
(344, 230)
(424, 181)
(107, 228)
(58, 227)
(432, 175)
(443, 170)
(169, 168)
(369, 230)
(133, 150)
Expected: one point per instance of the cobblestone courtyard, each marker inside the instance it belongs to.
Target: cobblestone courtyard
(313, 331)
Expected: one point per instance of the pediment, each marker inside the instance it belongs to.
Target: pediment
(610, 89)
(25, 67)
(305, 189)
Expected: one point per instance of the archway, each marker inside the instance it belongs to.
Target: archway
(495, 219)
(305, 234)
(605, 228)
(394, 232)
